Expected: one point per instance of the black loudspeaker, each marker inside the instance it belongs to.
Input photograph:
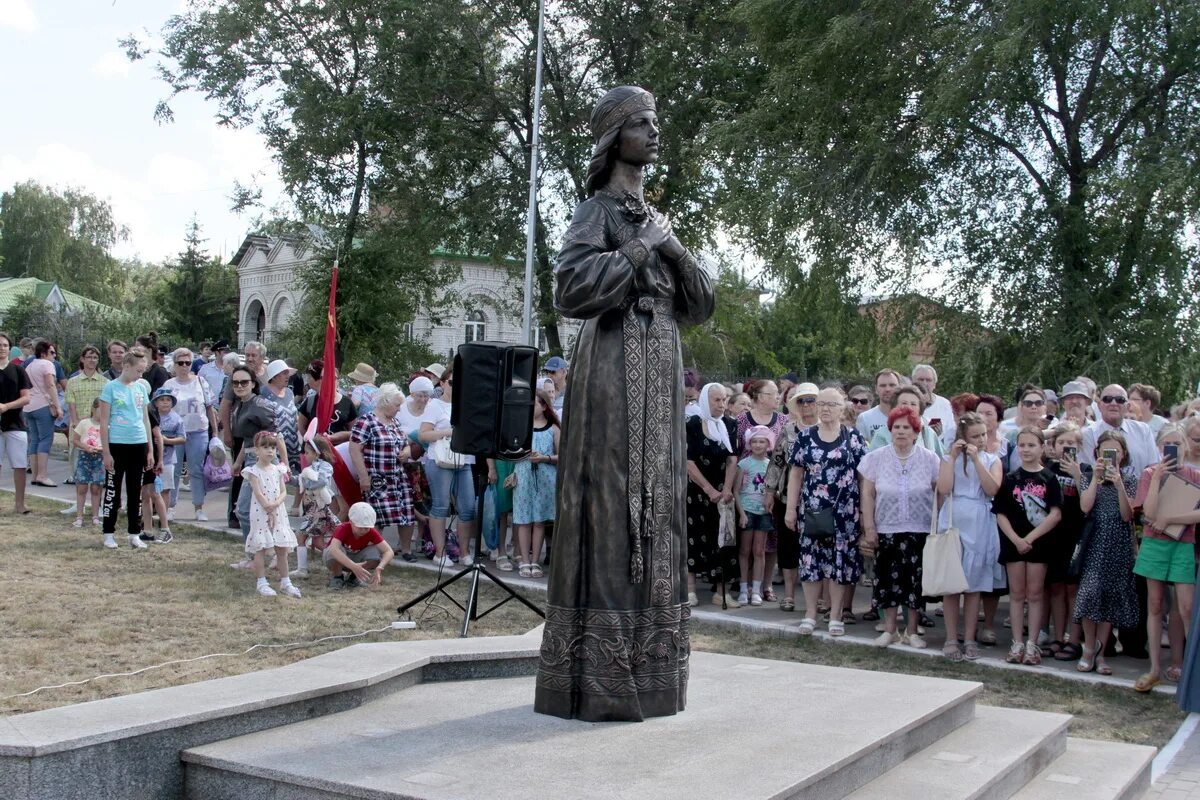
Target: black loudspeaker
(492, 412)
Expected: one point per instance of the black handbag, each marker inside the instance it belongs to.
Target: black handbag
(819, 523)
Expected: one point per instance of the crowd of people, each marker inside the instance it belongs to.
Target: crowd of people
(1061, 501)
(161, 421)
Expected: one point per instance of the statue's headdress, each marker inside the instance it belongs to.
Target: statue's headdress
(614, 108)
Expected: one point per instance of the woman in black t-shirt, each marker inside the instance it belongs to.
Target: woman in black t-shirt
(344, 412)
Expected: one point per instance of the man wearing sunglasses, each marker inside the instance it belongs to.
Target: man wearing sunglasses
(1142, 451)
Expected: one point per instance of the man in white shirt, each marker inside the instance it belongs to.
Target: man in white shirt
(939, 407)
(1142, 451)
(887, 381)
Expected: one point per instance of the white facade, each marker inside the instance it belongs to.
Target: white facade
(268, 293)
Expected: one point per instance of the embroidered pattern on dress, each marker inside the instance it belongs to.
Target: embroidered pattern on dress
(615, 652)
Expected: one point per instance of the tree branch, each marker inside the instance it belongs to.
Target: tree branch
(1000, 141)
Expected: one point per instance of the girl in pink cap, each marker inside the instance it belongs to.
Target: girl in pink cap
(754, 522)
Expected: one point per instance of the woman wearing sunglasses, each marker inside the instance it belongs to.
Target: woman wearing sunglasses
(194, 405)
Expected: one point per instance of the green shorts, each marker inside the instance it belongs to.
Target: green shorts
(1166, 561)
(504, 496)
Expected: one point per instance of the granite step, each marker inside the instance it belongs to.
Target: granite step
(832, 731)
(1093, 770)
(990, 758)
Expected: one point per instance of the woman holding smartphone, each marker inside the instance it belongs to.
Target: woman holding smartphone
(1164, 559)
(1107, 594)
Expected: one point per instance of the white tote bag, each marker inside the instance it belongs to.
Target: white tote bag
(941, 569)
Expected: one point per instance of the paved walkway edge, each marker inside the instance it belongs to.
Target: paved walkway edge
(1167, 754)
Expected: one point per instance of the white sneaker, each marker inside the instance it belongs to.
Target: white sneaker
(914, 640)
(78, 523)
(445, 562)
(68, 510)
(170, 515)
(135, 541)
(110, 541)
(201, 516)
(289, 589)
(886, 639)
(265, 590)
(298, 573)
(245, 563)
(756, 599)
(465, 560)
(743, 599)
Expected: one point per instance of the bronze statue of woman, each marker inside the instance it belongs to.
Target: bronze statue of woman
(616, 644)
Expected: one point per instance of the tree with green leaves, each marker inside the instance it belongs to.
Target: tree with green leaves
(66, 237)
(1041, 156)
(199, 297)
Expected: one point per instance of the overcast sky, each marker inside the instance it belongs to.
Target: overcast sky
(78, 113)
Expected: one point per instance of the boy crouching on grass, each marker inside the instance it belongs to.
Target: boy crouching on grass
(357, 553)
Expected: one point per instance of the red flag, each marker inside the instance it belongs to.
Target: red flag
(329, 373)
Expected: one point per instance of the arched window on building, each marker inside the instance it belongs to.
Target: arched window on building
(475, 327)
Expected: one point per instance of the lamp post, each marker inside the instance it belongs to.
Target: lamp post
(531, 214)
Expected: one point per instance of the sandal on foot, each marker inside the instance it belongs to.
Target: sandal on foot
(871, 616)
(525, 570)
(848, 618)
(1033, 655)
(1053, 647)
(1016, 653)
(1102, 667)
(952, 651)
(1146, 683)
(1069, 652)
(1087, 661)
(807, 626)
(1173, 674)
(535, 571)
(788, 604)
(769, 596)
(836, 628)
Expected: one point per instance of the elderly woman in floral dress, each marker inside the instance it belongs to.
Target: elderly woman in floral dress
(824, 478)
(379, 447)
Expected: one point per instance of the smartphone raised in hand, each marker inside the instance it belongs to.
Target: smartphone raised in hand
(1071, 453)
(1171, 453)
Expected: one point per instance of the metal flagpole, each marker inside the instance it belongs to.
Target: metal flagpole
(527, 317)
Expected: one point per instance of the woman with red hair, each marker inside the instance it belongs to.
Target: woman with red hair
(898, 499)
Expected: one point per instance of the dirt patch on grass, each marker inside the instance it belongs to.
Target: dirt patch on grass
(71, 609)
(1100, 712)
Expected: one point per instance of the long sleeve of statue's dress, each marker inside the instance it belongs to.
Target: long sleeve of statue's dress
(615, 645)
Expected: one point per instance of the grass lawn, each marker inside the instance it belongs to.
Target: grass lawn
(1100, 712)
(71, 609)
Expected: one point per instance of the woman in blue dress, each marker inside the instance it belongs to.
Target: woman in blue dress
(533, 495)
(969, 479)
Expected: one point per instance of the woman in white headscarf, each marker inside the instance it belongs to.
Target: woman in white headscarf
(711, 464)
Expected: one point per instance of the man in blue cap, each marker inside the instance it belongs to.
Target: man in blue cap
(556, 368)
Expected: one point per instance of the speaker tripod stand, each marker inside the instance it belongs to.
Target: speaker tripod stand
(477, 571)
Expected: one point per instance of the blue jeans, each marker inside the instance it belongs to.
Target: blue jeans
(41, 430)
(194, 451)
(443, 482)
